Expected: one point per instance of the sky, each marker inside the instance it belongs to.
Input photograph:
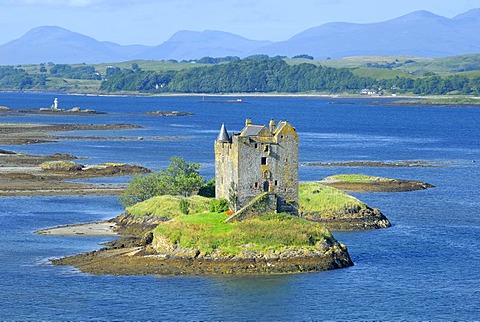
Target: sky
(151, 22)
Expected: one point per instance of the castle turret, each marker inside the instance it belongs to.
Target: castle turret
(223, 135)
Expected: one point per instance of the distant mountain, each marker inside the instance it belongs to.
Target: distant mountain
(58, 45)
(195, 45)
(419, 33)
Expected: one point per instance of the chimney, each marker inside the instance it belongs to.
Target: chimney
(271, 125)
(248, 122)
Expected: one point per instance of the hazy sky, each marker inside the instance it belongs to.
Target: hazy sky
(151, 22)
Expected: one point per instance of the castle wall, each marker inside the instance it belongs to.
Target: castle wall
(286, 170)
(226, 161)
(250, 182)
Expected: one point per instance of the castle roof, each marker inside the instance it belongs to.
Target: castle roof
(223, 135)
(252, 130)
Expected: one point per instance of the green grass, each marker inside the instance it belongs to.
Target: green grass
(60, 166)
(318, 198)
(354, 178)
(460, 100)
(208, 232)
(313, 197)
(379, 73)
(168, 206)
(152, 65)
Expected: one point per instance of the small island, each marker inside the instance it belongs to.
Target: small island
(254, 217)
(169, 113)
(364, 183)
(32, 175)
(261, 220)
(54, 109)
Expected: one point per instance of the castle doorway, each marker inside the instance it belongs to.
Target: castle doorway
(266, 186)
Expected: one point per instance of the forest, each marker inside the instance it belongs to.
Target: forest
(255, 74)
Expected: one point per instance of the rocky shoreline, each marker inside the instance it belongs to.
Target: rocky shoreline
(142, 255)
(24, 133)
(135, 261)
(169, 113)
(377, 184)
(374, 164)
(34, 175)
(353, 220)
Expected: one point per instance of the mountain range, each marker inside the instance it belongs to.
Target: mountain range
(420, 34)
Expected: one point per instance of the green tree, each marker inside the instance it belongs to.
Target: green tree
(208, 189)
(180, 178)
(184, 176)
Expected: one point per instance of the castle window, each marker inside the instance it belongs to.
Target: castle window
(256, 145)
(276, 182)
(256, 185)
(266, 148)
(266, 174)
(264, 160)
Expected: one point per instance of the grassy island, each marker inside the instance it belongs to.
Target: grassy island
(204, 244)
(336, 209)
(208, 233)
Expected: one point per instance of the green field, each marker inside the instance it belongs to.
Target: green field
(317, 198)
(208, 232)
(168, 206)
(379, 72)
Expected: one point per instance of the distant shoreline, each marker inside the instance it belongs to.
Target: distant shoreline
(285, 95)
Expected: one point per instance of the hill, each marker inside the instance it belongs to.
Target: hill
(186, 45)
(59, 45)
(419, 33)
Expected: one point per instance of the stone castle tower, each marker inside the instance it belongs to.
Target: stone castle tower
(258, 159)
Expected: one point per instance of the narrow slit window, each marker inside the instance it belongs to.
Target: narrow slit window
(264, 160)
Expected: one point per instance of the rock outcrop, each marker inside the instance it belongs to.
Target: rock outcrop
(357, 218)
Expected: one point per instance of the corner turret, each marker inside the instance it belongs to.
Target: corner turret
(223, 135)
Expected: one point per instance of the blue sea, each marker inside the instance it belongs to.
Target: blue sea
(425, 267)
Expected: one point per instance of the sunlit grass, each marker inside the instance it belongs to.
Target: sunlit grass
(168, 206)
(318, 198)
(354, 178)
(208, 232)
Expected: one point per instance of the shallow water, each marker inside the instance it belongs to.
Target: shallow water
(424, 267)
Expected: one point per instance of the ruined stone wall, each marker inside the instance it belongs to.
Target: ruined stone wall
(262, 204)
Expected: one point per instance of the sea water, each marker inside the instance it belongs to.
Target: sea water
(425, 267)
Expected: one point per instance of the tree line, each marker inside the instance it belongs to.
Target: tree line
(263, 74)
(254, 74)
(14, 78)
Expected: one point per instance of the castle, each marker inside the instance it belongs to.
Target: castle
(256, 160)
